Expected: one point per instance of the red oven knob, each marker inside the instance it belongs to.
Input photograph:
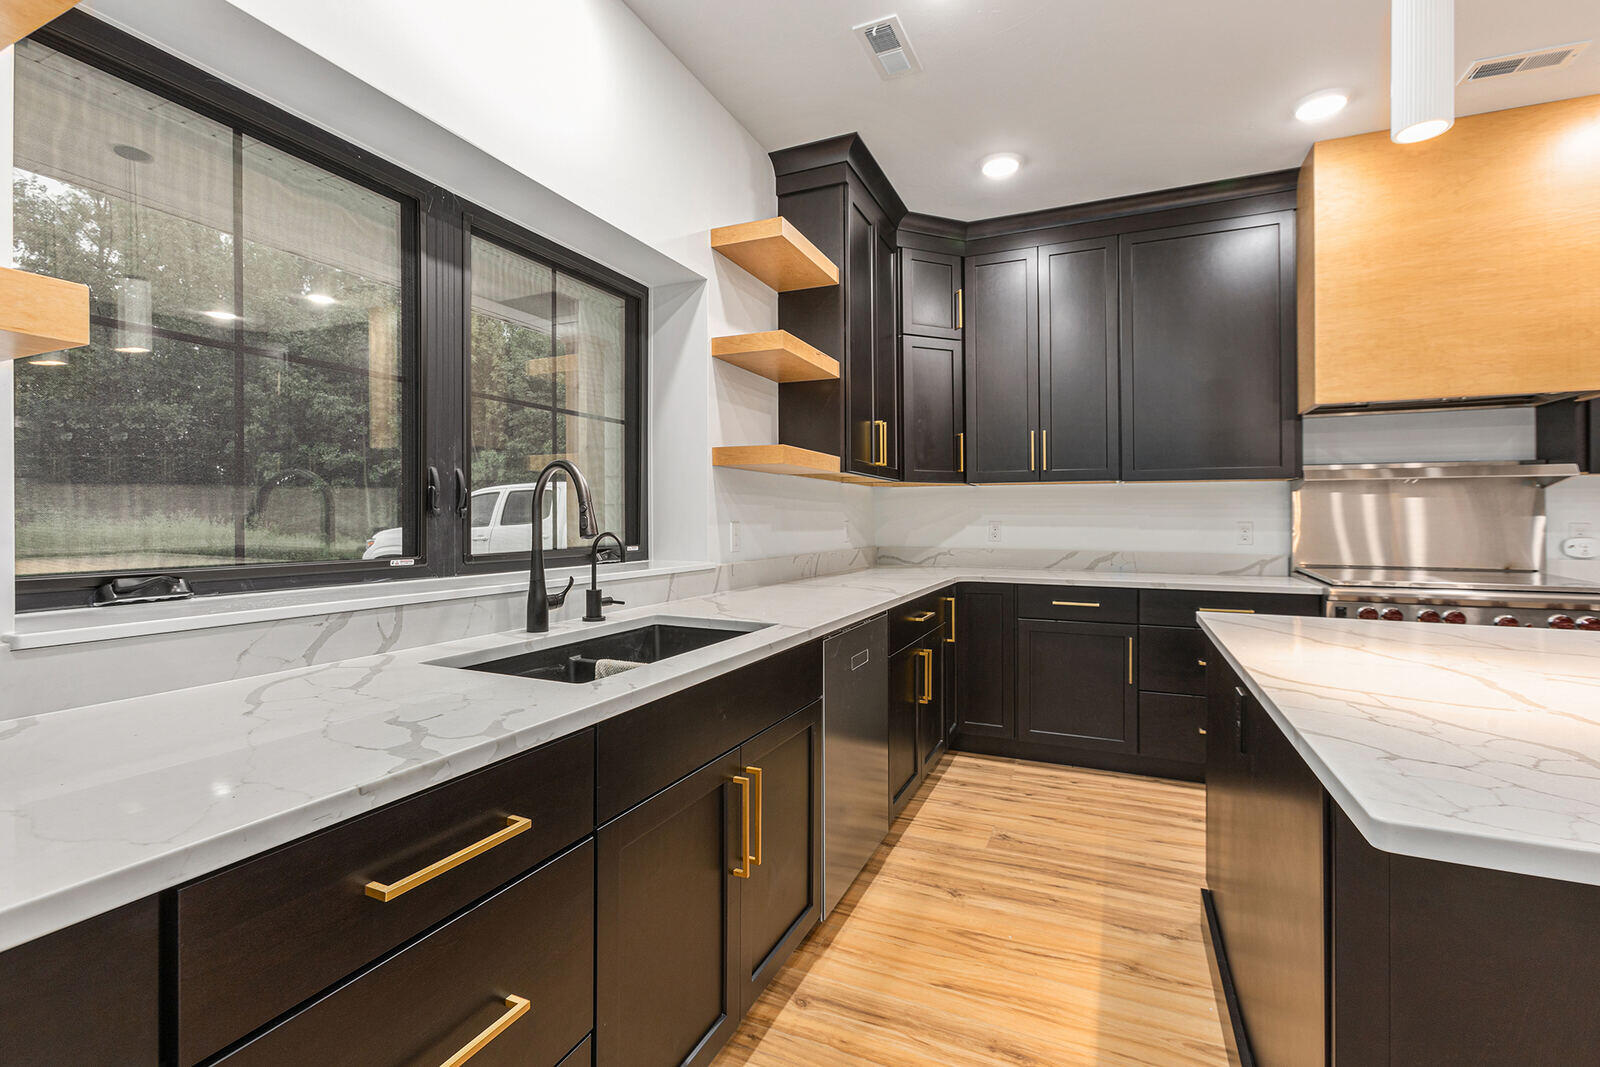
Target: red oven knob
(1589, 622)
(1455, 617)
(1367, 613)
(1561, 622)
(1429, 615)
(1506, 620)
(1392, 615)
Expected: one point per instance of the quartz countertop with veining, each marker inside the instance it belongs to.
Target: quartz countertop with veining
(105, 804)
(1468, 744)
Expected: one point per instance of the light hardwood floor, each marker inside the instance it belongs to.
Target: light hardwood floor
(1019, 913)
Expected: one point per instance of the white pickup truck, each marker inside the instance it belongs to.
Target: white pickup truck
(502, 521)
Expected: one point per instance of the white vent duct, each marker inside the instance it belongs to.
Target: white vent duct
(1422, 100)
(1522, 62)
(887, 44)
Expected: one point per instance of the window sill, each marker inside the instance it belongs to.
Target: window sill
(73, 626)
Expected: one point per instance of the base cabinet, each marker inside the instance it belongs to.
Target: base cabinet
(985, 628)
(1075, 684)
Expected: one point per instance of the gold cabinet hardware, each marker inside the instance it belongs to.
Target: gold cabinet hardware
(1202, 731)
(515, 824)
(880, 443)
(1130, 661)
(745, 859)
(921, 616)
(925, 689)
(1033, 464)
(961, 311)
(961, 452)
(758, 800)
(1231, 611)
(1044, 450)
(1076, 603)
(516, 1008)
(950, 620)
(1201, 662)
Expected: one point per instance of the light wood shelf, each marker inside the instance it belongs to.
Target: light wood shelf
(18, 18)
(776, 253)
(776, 354)
(776, 459)
(40, 314)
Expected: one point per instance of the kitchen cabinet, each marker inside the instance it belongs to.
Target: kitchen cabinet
(1002, 349)
(932, 303)
(905, 693)
(934, 412)
(985, 632)
(916, 709)
(1076, 685)
(1078, 382)
(1207, 350)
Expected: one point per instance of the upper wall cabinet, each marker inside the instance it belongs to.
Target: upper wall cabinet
(1463, 267)
(1002, 339)
(1078, 361)
(1207, 336)
(931, 298)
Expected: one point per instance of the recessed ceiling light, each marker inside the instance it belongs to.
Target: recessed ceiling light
(1003, 165)
(1420, 131)
(220, 316)
(321, 299)
(1321, 106)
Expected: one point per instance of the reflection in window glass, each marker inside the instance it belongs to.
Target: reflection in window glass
(547, 382)
(243, 398)
(482, 509)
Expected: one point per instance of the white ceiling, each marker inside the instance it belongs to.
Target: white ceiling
(1100, 97)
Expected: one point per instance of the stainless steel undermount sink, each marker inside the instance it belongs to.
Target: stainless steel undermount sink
(574, 657)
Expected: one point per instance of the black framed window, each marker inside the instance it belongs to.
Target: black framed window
(256, 408)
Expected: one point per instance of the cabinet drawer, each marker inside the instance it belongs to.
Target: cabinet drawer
(1169, 727)
(1078, 603)
(533, 940)
(1177, 607)
(259, 938)
(1172, 659)
(911, 622)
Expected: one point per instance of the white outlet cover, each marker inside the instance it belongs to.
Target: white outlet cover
(735, 537)
(1580, 547)
(994, 533)
(1245, 533)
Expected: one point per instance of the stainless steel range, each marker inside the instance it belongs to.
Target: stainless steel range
(1460, 543)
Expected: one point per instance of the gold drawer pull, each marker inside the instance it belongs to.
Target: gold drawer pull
(1202, 731)
(926, 694)
(1201, 662)
(921, 617)
(516, 1008)
(515, 824)
(1076, 603)
(746, 860)
(758, 801)
(950, 638)
(1130, 661)
(1231, 611)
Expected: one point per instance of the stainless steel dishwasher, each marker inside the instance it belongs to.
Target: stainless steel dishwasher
(855, 752)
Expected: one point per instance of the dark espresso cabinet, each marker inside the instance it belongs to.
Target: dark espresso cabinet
(1078, 383)
(1002, 349)
(934, 415)
(932, 303)
(1208, 350)
(985, 632)
(1075, 685)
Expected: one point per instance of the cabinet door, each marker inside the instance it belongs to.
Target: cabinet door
(1075, 684)
(667, 923)
(860, 259)
(985, 649)
(905, 692)
(930, 294)
(1002, 350)
(930, 713)
(934, 410)
(1208, 350)
(782, 899)
(1078, 361)
(886, 352)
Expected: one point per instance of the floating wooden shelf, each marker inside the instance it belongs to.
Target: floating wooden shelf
(777, 253)
(776, 459)
(18, 18)
(776, 354)
(40, 314)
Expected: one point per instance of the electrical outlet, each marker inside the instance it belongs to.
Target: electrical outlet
(735, 537)
(1244, 533)
(1579, 547)
(994, 533)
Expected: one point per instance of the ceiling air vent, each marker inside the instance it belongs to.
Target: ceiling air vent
(1522, 62)
(888, 46)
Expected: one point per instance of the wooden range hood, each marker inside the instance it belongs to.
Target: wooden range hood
(1460, 271)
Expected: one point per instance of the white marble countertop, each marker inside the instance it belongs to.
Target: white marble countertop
(105, 804)
(1469, 744)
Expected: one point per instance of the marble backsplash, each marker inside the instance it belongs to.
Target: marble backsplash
(1055, 559)
(38, 680)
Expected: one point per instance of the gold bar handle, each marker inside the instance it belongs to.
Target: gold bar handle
(961, 311)
(1201, 662)
(1033, 464)
(515, 824)
(927, 675)
(1130, 661)
(961, 452)
(921, 616)
(743, 871)
(1202, 731)
(516, 1008)
(1230, 611)
(950, 638)
(1044, 450)
(1076, 603)
(758, 799)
